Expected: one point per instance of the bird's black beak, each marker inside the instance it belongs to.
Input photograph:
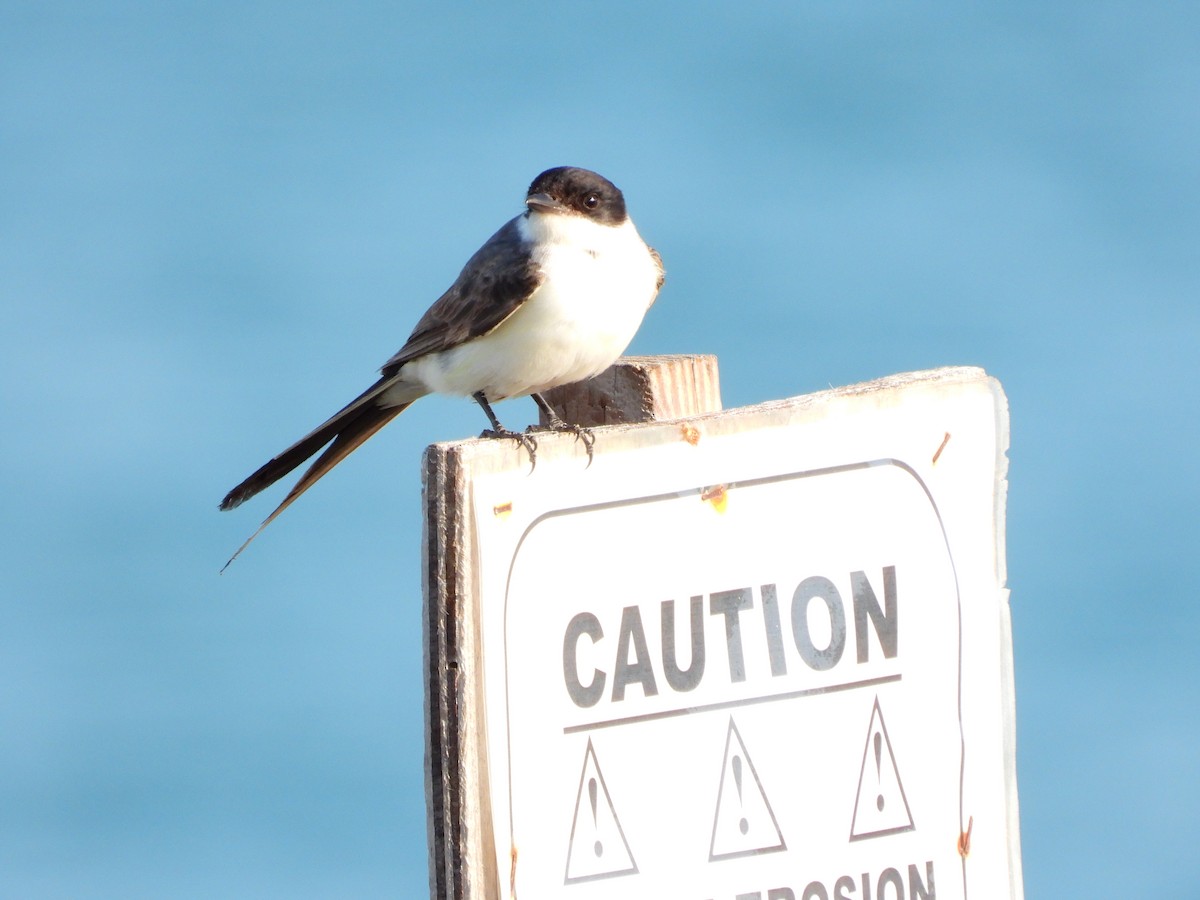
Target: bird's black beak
(544, 203)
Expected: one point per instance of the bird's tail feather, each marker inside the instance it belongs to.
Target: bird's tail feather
(349, 428)
(278, 466)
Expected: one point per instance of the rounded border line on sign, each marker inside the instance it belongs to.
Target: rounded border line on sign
(732, 485)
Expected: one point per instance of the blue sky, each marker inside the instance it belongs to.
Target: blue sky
(217, 220)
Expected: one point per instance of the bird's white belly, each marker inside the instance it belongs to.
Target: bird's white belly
(574, 326)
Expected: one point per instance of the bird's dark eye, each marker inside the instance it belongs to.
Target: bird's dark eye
(591, 201)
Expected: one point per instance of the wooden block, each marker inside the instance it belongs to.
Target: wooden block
(641, 389)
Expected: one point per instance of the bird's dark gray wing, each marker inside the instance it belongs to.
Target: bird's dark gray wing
(492, 285)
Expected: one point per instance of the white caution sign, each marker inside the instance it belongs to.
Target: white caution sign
(765, 655)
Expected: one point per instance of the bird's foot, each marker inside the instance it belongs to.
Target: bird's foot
(582, 434)
(525, 440)
(556, 423)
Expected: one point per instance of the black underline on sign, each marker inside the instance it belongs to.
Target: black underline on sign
(728, 704)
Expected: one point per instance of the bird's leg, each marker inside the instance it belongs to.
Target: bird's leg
(499, 431)
(557, 424)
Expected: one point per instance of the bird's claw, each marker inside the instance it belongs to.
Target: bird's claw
(528, 441)
(582, 434)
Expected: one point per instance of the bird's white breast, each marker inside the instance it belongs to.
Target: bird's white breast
(598, 282)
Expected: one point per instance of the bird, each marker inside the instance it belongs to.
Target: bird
(553, 297)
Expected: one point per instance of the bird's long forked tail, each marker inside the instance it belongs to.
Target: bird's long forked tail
(349, 429)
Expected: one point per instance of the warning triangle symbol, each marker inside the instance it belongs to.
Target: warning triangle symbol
(598, 848)
(744, 823)
(880, 806)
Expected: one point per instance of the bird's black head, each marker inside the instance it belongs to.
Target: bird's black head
(577, 191)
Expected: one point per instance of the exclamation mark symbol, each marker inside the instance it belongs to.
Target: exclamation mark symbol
(598, 847)
(737, 779)
(878, 761)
